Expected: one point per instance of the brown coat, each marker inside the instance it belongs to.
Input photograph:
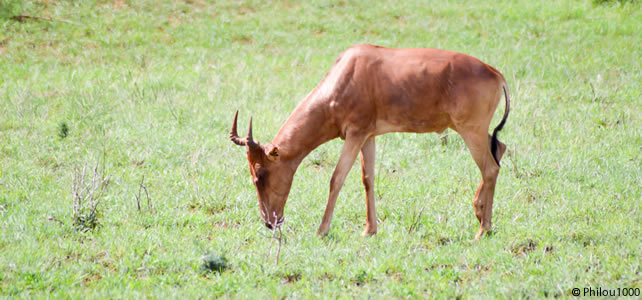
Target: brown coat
(372, 90)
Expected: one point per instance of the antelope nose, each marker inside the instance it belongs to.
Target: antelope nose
(268, 225)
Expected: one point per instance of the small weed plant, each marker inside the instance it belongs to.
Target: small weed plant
(87, 192)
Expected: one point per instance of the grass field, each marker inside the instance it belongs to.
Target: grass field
(147, 91)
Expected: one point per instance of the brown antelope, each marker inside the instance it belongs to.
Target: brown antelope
(372, 90)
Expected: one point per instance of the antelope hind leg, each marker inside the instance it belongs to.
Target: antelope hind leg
(477, 143)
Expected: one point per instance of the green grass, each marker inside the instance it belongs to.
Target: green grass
(149, 89)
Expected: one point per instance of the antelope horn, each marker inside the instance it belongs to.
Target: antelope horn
(249, 139)
(235, 136)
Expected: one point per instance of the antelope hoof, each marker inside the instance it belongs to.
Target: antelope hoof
(479, 234)
(483, 231)
(368, 232)
(322, 231)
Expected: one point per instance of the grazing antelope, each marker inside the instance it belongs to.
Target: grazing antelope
(372, 90)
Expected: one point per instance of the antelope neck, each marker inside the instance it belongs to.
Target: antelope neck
(305, 129)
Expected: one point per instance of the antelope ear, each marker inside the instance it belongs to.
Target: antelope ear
(273, 152)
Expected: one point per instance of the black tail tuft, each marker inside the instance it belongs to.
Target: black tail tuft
(494, 142)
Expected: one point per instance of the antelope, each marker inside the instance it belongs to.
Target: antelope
(371, 90)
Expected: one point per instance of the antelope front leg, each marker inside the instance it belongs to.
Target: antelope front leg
(348, 155)
(367, 176)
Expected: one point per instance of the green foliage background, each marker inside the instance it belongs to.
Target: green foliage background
(149, 88)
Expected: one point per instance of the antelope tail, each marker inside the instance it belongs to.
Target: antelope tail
(494, 144)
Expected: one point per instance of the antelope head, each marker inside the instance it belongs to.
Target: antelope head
(270, 176)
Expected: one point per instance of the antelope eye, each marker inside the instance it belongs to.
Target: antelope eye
(260, 177)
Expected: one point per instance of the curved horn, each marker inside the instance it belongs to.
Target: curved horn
(234, 136)
(249, 139)
(249, 133)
